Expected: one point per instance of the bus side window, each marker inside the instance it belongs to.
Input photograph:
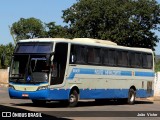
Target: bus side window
(105, 56)
(122, 58)
(132, 60)
(138, 58)
(81, 55)
(149, 61)
(111, 56)
(94, 55)
(73, 54)
(78, 54)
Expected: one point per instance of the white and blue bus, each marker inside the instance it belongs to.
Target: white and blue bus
(58, 69)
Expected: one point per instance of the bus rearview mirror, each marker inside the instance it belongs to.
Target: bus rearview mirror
(48, 58)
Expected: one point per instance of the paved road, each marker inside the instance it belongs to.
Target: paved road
(91, 110)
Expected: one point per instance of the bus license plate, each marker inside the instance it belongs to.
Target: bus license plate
(25, 95)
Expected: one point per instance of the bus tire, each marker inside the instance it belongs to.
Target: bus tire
(131, 96)
(73, 99)
(39, 102)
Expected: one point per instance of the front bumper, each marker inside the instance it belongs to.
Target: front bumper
(47, 94)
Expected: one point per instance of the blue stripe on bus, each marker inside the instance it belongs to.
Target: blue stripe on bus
(63, 94)
(145, 74)
(111, 93)
(107, 72)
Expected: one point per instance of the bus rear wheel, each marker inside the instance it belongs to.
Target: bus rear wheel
(131, 96)
(73, 99)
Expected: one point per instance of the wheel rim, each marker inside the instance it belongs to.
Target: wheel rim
(132, 98)
(72, 99)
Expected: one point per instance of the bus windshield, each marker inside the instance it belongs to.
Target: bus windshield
(33, 48)
(29, 69)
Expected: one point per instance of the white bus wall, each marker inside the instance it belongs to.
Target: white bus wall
(157, 85)
(98, 81)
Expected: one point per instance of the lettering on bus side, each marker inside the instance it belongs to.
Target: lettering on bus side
(98, 72)
(107, 72)
(112, 72)
(75, 70)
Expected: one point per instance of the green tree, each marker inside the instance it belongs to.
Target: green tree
(2, 50)
(157, 66)
(28, 28)
(126, 22)
(57, 31)
(8, 51)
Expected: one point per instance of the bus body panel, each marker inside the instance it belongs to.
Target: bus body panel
(63, 94)
(49, 94)
(93, 81)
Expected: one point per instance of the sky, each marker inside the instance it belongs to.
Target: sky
(46, 10)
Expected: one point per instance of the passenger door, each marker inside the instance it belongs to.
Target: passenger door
(58, 66)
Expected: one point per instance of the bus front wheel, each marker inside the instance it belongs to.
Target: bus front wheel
(73, 99)
(131, 96)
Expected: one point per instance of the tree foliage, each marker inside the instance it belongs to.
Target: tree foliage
(57, 31)
(126, 22)
(7, 50)
(28, 28)
(34, 28)
(157, 66)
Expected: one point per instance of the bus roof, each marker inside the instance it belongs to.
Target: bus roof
(90, 40)
(43, 40)
(87, 41)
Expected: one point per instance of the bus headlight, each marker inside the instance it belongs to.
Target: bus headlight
(42, 87)
(11, 86)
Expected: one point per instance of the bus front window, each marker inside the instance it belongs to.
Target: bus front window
(39, 65)
(29, 69)
(39, 69)
(19, 63)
